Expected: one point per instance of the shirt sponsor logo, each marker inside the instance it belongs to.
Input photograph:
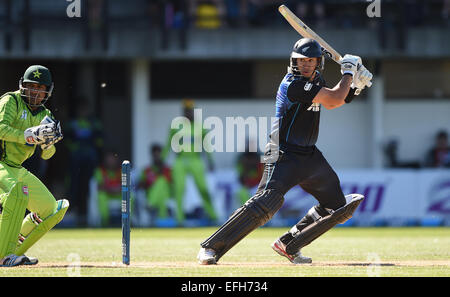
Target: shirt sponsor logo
(314, 107)
(307, 86)
(24, 115)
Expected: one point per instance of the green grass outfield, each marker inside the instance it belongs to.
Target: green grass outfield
(172, 252)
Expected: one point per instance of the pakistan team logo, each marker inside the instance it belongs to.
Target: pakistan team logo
(37, 74)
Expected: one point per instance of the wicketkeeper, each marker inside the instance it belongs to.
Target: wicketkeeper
(292, 158)
(25, 123)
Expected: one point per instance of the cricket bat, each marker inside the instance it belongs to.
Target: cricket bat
(307, 32)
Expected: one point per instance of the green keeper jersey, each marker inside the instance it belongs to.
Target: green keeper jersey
(188, 136)
(15, 118)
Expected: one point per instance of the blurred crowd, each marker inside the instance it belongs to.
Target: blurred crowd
(212, 14)
(437, 156)
(395, 16)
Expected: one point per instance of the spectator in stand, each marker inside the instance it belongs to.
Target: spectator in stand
(439, 155)
(95, 13)
(208, 14)
(312, 12)
(174, 17)
(446, 12)
(251, 12)
(233, 12)
(155, 181)
(108, 177)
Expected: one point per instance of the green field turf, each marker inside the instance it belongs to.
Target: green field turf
(172, 252)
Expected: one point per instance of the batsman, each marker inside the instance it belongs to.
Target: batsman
(292, 158)
(26, 123)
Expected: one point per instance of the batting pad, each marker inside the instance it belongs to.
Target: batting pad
(323, 224)
(45, 226)
(257, 211)
(14, 207)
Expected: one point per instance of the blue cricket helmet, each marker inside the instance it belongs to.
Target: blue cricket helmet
(306, 48)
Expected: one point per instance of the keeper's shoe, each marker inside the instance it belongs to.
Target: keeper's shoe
(206, 256)
(12, 260)
(296, 258)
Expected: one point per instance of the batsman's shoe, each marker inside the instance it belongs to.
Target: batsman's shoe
(30, 261)
(296, 258)
(13, 260)
(206, 256)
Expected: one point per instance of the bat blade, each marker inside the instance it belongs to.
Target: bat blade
(307, 32)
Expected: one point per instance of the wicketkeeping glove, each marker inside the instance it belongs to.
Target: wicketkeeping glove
(39, 134)
(56, 125)
(51, 141)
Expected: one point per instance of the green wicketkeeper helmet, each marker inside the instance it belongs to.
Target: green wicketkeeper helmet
(40, 75)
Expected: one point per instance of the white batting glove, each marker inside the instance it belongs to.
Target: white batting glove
(350, 64)
(362, 79)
